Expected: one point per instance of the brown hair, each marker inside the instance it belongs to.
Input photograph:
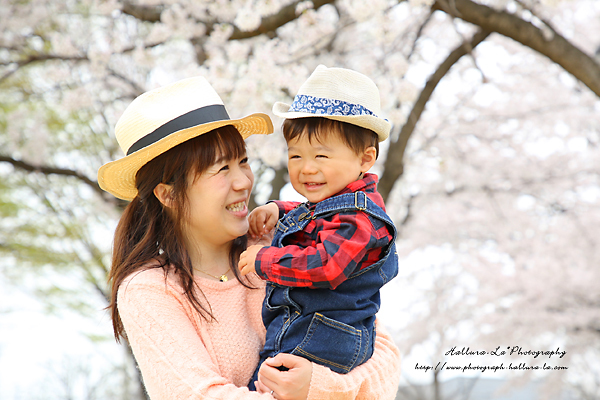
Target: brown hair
(355, 137)
(148, 234)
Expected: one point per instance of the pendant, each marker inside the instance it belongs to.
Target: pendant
(223, 278)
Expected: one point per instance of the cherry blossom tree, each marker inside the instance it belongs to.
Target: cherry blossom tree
(492, 164)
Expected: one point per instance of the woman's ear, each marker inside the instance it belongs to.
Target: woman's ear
(164, 194)
(368, 159)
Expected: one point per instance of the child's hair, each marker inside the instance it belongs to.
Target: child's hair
(355, 137)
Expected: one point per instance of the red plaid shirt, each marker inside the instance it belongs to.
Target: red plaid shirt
(328, 250)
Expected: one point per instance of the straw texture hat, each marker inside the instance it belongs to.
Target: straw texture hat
(161, 119)
(340, 94)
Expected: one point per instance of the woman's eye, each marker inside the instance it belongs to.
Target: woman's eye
(224, 168)
(244, 160)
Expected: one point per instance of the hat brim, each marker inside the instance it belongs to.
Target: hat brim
(378, 125)
(118, 177)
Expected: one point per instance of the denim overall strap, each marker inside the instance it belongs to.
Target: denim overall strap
(292, 222)
(353, 201)
(357, 200)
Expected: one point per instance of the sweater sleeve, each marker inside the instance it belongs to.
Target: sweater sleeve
(378, 378)
(172, 357)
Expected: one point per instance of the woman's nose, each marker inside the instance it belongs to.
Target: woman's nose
(243, 179)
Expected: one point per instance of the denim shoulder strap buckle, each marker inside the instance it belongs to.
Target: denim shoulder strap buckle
(360, 200)
(303, 212)
(306, 215)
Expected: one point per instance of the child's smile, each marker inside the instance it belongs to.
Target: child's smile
(321, 169)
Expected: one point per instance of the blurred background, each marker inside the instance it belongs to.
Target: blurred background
(491, 174)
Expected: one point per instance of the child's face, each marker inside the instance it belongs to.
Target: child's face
(320, 169)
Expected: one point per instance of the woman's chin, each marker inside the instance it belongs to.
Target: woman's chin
(240, 230)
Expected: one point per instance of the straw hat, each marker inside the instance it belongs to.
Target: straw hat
(162, 118)
(339, 94)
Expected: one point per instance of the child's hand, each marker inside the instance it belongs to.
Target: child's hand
(247, 258)
(262, 220)
(264, 240)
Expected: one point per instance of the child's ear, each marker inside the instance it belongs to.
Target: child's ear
(368, 159)
(164, 194)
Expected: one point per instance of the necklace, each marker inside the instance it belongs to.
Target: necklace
(222, 278)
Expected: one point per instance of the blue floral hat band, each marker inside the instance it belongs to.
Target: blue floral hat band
(339, 94)
(323, 106)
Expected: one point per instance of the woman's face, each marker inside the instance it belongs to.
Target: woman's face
(218, 201)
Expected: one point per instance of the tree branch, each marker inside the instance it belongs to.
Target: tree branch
(393, 167)
(60, 171)
(546, 42)
(142, 12)
(418, 35)
(278, 182)
(268, 24)
(37, 58)
(272, 22)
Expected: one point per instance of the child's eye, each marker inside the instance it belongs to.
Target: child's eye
(294, 157)
(321, 156)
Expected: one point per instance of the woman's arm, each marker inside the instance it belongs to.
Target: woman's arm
(378, 378)
(172, 357)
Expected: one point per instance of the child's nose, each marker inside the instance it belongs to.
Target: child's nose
(308, 167)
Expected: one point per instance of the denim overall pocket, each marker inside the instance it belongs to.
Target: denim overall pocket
(338, 345)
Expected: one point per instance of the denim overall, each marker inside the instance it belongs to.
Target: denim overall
(334, 328)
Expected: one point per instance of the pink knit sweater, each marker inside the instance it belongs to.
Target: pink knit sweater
(181, 356)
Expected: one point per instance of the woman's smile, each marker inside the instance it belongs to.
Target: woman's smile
(238, 208)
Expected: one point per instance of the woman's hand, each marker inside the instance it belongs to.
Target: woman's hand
(292, 384)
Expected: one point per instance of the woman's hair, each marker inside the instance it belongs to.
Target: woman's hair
(149, 236)
(355, 137)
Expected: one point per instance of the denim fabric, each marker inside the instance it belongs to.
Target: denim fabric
(334, 328)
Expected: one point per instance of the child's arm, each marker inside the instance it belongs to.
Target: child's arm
(285, 206)
(344, 243)
(261, 222)
(263, 219)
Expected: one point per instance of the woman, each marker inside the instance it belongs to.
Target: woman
(193, 323)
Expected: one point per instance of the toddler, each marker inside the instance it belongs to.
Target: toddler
(329, 256)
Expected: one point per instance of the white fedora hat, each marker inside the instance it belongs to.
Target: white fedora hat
(340, 94)
(160, 119)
